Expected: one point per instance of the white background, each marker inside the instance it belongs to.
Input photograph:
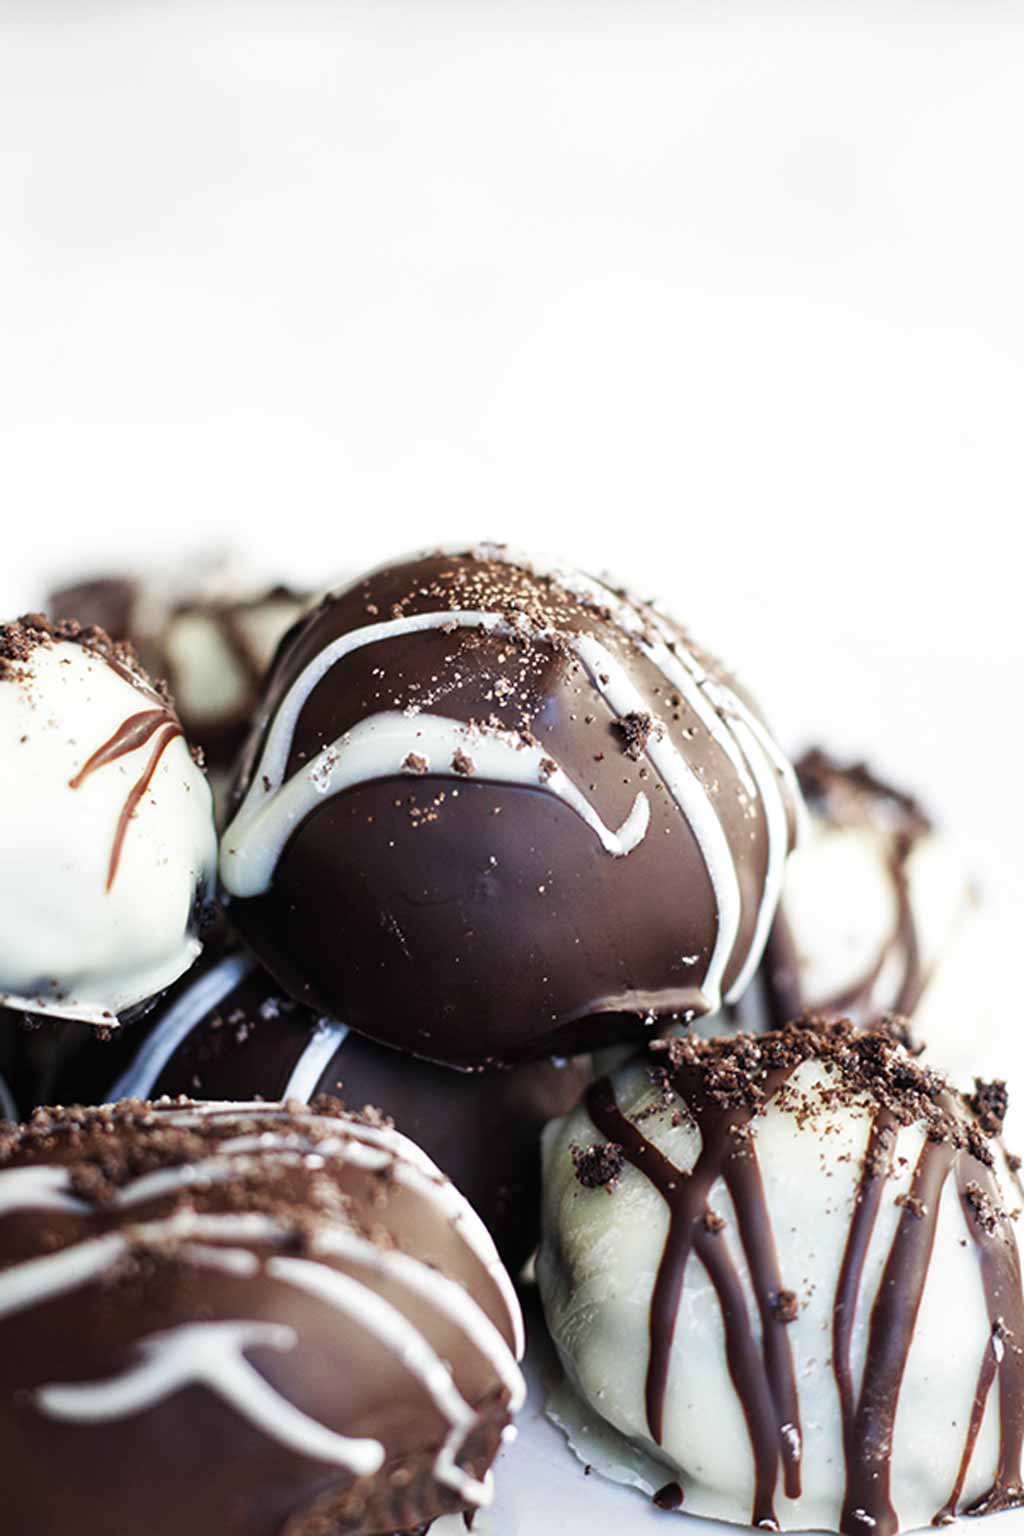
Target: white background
(723, 297)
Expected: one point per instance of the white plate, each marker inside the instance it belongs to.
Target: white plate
(543, 1490)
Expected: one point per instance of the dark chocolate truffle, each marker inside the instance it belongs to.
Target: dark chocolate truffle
(212, 648)
(227, 1032)
(106, 825)
(492, 810)
(802, 1293)
(245, 1319)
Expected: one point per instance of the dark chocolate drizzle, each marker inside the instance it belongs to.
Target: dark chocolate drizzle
(669, 1497)
(1004, 1353)
(876, 1169)
(160, 722)
(763, 1376)
(867, 1505)
(986, 1375)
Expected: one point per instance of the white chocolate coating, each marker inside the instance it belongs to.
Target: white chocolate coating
(597, 1270)
(841, 903)
(73, 942)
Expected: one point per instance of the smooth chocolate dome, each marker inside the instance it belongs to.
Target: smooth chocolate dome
(491, 811)
(243, 1320)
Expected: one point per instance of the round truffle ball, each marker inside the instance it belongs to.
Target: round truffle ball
(785, 1267)
(492, 810)
(226, 1031)
(106, 824)
(211, 638)
(270, 1322)
(873, 900)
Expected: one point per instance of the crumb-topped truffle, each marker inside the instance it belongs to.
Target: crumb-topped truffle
(268, 1318)
(803, 1294)
(106, 825)
(516, 784)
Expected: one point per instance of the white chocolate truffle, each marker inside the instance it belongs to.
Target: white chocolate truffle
(216, 654)
(783, 1267)
(872, 901)
(107, 828)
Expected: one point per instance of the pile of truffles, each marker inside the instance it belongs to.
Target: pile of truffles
(512, 924)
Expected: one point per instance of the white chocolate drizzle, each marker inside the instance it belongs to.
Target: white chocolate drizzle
(731, 724)
(213, 1355)
(374, 1147)
(327, 1039)
(275, 807)
(444, 1294)
(395, 1331)
(192, 1008)
(377, 748)
(195, 1002)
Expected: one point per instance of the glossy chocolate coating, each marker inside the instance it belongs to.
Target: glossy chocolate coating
(227, 1032)
(231, 1322)
(459, 906)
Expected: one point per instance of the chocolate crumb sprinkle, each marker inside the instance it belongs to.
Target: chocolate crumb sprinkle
(636, 729)
(598, 1166)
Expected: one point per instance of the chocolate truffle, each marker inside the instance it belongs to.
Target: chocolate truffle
(493, 809)
(212, 643)
(785, 1267)
(243, 1318)
(227, 1032)
(106, 823)
(872, 902)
